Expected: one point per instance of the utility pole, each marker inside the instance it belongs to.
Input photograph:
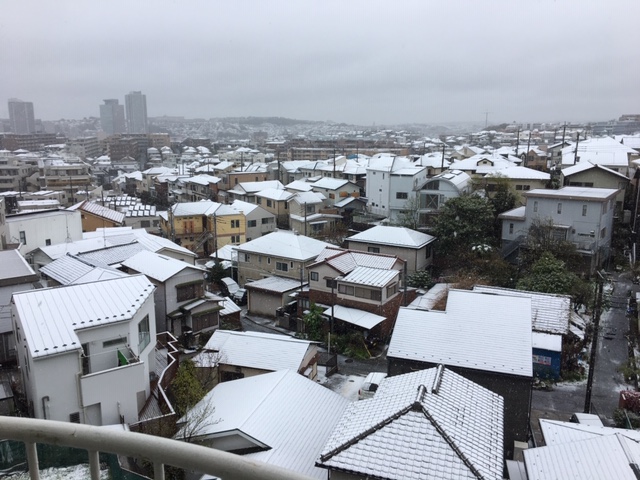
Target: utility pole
(517, 141)
(334, 163)
(305, 218)
(442, 162)
(528, 148)
(278, 160)
(564, 131)
(333, 302)
(594, 342)
(215, 235)
(575, 152)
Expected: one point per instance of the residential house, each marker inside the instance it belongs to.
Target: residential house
(520, 179)
(143, 216)
(56, 174)
(415, 248)
(96, 216)
(283, 253)
(246, 354)
(575, 450)
(201, 187)
(581, 215)
(485, 338)
(275, 201)
(308, 213)
(246, 191)
(537, 159)
(419, 425)
(480, 165)
(360, 291)
(268, 294)
(255, 173)
(87, 351)
(33, 230)
(15, 276)
(605, 151)
(226, 226)
(434, 162)
(441, 188)
(556, 341)
(74, 269)
(280, 418)
(180, 301)
(335, 189)
(588, 174)
(259, 221)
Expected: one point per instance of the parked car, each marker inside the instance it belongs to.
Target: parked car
(228, 286)
(240, 296)
(370, 385)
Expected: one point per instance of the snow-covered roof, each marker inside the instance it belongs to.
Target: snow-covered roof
(228, 307)
(431, 423)
(275, 194)
(393, 236)
(360, 318)
(348, 200)
(429, 299)
(611, 456)
(373, 277)
(584, 166)
(156, 266)
(550, 313)
(346, 260)
(327, 183)
(14, 268)
(299, 186)
(556, 432)
(244, 207)
(205, 207)
(574, 193)
(285, 244)
(311, 198)
(547, 341)
(518, 213)
(288, 413)
(492, 333)
(516, 172)
(263, 351)
(254, 187)
(99, 211)
(602, 150)
(51, 316)
(273, 284)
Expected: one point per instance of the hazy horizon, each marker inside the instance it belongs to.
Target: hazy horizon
(359, 62)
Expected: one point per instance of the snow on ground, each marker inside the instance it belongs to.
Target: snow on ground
(345, 385)
(78, 472)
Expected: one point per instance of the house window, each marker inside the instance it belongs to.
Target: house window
(314, 276)
(235, 223)
(511, 229)
(331, 283)
(559, 208)
(535, 206)
(267, 220)
(282, 266)
(269, 203)
(235, 238)
(47, 242)
(259, 201)
(23, 237)
(603, 232)
(332, 195)
(402, 195)
(392, 289)
(145, 223)
(373, 249)
(252, 223)
(144, 334)
(584, 210)
(346, 289)
(189, 291)
(311, 209)
(247, 257)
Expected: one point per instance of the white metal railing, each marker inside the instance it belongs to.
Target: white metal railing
(158, 450)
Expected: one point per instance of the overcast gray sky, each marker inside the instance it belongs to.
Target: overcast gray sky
(347, 61)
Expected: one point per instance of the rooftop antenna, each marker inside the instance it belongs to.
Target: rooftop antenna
(486, 118)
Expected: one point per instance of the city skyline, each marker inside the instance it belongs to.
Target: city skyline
(360, 63)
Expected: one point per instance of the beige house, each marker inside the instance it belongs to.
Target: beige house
(587, 174)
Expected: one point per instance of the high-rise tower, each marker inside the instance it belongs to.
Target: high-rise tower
(21, 117)
(136, 106)
(112, 117)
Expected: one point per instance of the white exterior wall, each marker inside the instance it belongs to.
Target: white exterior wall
(416, 258)
(171, 293)
(446, 190)
(260, 229)
(38, 229)
(59, 377)
(407, 184)
(378, 191)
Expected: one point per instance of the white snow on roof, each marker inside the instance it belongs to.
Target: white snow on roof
(610, 456)
(285, 244)
(420, 425)
(395, 236)
(584, 166)
(274, 284)
(546, 341)
(373, 277)
(556, 432)
(50, 317)
(429, 299)
(228, 307)
(327, 183)
(519, 173)
(354, 316)
(300, 186)
(581, 193)
(264, 351)
(275, 194)
(290, 414)
(156, 266)
(492, 333)
(549, 312)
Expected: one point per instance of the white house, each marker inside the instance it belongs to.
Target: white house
(441, 188)
(86, 352)
(581, 215)
(39, 229)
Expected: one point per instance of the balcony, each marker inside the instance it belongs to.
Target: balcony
(159, 451)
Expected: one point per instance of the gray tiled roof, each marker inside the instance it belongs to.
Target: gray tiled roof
(426, 424)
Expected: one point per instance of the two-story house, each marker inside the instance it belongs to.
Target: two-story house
(308, 215)
(259, 222)
(588, 174)
(415, 248)
(86, 352)
(283, 253)
(581, 215)
(94, 216)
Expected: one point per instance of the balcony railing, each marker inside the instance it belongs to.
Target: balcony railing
(159, 451)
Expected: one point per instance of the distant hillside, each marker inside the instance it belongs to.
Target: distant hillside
(280, 121)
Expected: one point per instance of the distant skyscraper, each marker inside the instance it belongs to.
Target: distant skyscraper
(112, 117)
(136, 106)
(21, 117)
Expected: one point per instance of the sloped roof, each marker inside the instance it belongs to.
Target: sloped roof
(254, 187)
(274, 284)
(111, 255)
(308, 197)
(549, 312)
(373, 277)
(14, 268)
(574, 193)
(515, 172)
(51, 316)
(156, 266)
(99, 211)
(611, 456)
(584, 166)
(346, 260)
(394, 236)
(205, 207)
(290, 414)
(477, 331)
(556, 432)
(427, 424)
(328, 183)
(300, 186)
(354, 316)
(263, 351)
(276, 194)
(285, 244)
